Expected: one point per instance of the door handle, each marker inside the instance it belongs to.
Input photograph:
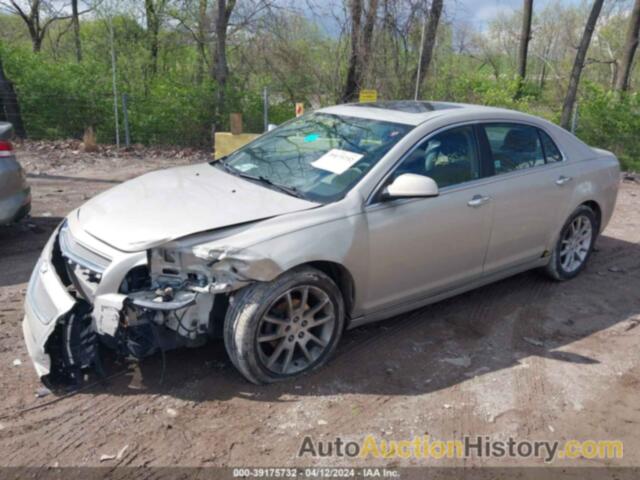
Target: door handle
(478, 200)
(562, 180)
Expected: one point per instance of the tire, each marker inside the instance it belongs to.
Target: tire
(272, 319)
(559, 267)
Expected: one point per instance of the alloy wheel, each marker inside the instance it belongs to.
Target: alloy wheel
(576, 243)
(296, 330)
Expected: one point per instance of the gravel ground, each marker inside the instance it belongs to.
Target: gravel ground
(524, 357)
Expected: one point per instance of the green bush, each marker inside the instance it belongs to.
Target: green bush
(609, 120)
(172, 114)
(606, 119)
(60, 98)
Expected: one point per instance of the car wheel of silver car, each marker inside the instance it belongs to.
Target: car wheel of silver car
(280, 329)
(574, 245)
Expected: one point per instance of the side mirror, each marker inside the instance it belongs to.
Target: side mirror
(410, 185)
(271, 126)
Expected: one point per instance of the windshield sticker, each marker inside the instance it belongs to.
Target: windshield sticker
(244, 167)
(337, 161)
(312, 137)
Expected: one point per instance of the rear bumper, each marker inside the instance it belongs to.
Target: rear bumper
(15, 207)
(47, 300)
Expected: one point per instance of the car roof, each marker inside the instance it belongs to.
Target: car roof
(410, 112)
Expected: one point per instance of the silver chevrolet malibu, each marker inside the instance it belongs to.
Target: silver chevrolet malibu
(341, 217)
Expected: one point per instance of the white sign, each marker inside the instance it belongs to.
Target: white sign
(337, 161)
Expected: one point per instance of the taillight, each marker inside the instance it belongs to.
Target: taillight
(6, 148)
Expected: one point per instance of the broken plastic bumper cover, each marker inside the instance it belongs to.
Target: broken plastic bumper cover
(152, 301)
(47, 301)
(62, 333)
(57, 328)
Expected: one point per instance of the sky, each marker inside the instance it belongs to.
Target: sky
(477, 13)
(481, 12)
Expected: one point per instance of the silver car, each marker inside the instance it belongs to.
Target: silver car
(15, 194)
(341, 217)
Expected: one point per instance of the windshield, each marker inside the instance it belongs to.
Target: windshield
(317, 156)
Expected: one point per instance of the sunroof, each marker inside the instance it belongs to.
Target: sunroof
(408, 106)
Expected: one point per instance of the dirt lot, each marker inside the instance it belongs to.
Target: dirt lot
(525, 357)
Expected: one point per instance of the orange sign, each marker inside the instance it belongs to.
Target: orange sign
(299, 109)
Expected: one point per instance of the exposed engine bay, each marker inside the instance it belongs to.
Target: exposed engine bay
(177, 300)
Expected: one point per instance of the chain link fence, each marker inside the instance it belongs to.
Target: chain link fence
(174, 119)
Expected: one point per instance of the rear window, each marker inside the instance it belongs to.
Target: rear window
(551, 151)
(514, 147)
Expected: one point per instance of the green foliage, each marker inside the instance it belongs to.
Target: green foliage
(250, 103)
(58, 100)
(606, 119)
(290, 54)
(609, 120)
(478, 88)
(172, 114)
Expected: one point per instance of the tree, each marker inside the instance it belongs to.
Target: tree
(578, 64)
(193, 16)
(360, 53)
(545, 45)
(75, 21)
(201, 40)
(220, 68)
(525, 37)
(630, 47)
(428, 43)
(154, 10)
(9, 103)
(353, 73)
(33, 13)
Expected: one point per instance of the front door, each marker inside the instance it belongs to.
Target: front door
(419, 247)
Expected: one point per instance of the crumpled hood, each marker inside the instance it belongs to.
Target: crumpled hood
(169, 204)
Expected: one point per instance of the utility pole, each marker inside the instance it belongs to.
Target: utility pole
(114, 83)
(265, 107)
(125, 113)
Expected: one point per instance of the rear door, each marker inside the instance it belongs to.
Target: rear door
(529, 192)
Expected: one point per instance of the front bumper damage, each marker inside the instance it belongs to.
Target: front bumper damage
(67, 318)
(47, 301)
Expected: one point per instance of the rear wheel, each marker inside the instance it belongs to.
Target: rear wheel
(574, 245)
(280, 329)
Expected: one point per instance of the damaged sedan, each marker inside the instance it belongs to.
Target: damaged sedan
(344, 216)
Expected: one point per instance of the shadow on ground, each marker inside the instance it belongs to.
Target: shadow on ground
(495, 327)
(20, 247)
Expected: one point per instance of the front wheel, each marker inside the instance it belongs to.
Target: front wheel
(281, 329)
(574, 245)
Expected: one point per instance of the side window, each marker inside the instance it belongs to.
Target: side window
(449, 158)
(514, 146)
(551, 152)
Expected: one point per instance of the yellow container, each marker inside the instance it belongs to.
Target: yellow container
(227, 143)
